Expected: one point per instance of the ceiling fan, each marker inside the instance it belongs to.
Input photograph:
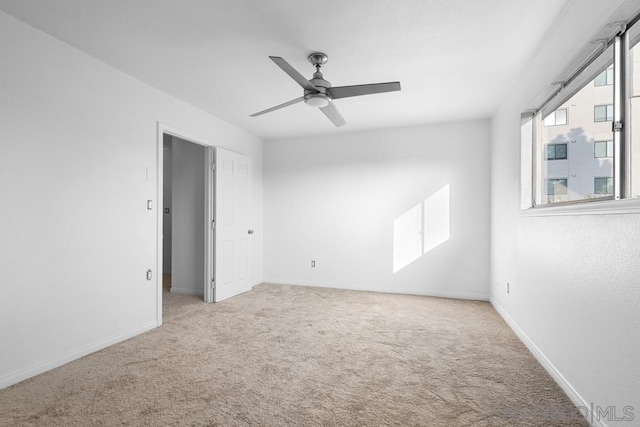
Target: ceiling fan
(319, 93)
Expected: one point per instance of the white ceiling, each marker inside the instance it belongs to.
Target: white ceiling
(455, 59)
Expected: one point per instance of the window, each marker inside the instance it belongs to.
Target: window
(603, 185)
(557, 187)
(556, 151)
(605, 78)
(597, 157)
(557, 118)
(602, 149)
(563, 156)
(603, 113)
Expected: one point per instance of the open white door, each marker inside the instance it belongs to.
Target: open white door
(232, 224)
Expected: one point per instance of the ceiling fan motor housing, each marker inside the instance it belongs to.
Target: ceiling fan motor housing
(321, 98)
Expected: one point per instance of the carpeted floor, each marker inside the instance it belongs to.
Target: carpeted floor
(285, 355)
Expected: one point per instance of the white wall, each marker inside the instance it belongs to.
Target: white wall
(78, 161)
(167, 161)
(333, 199)
(574, 280)
(188, 228)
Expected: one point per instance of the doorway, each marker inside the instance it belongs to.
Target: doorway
(183, 211)
(185, 243)
(206, 220)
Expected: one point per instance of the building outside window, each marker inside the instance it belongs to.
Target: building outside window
(581, 151)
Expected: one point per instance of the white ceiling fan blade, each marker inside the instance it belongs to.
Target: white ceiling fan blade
(293, 73)
(358, 90)
(277, 107)
(333, 114)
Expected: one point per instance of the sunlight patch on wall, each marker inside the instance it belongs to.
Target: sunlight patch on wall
(407, 237)
(436, 219)
(421, 229)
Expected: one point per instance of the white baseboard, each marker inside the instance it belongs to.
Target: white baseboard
(184, 291)
(546, 363)
(16, 377)
(405, 291)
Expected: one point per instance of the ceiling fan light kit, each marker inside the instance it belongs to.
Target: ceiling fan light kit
(319, 93)
(317, 100)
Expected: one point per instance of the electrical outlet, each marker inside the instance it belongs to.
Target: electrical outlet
(313, 263)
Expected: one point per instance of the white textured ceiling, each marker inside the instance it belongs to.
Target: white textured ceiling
(455, 59)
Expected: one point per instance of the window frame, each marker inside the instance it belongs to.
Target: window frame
(596, 178)
(555, 118)
(609, 143)
(606, 112)
(616, 203)
(565, 185)
(607, 81)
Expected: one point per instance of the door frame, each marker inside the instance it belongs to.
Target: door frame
(209, 213)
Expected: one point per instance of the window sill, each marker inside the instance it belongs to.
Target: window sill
(605, 207)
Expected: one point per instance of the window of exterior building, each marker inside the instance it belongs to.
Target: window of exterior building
(603, 185)
(605, 78)
(557, 187)
(602, 149)
(556, 151)
(603, 113)
(557, 118)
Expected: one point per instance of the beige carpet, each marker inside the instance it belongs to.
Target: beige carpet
(284, 355)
